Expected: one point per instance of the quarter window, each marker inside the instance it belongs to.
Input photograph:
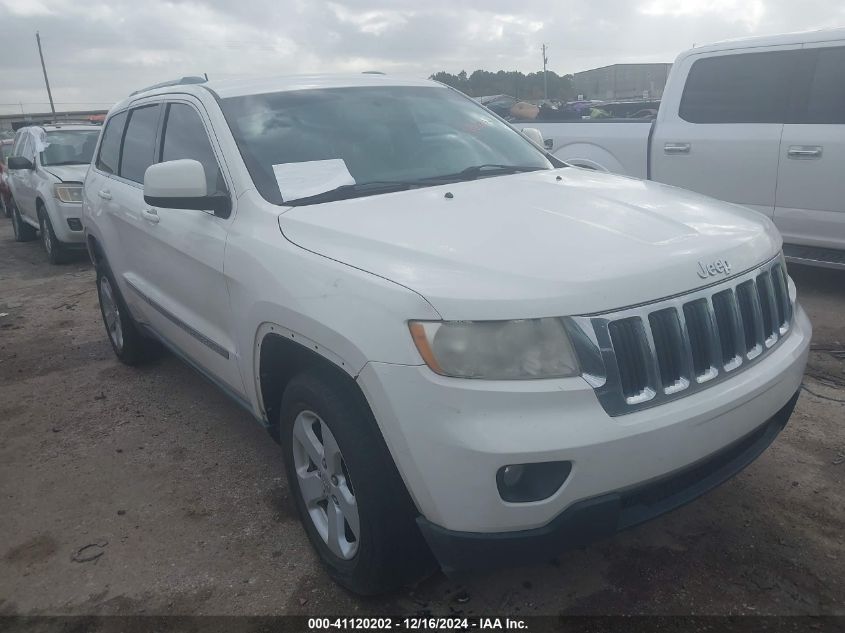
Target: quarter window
(109, 156)
(745, 88)
(185, 137)
(139, 143)
(826, 99)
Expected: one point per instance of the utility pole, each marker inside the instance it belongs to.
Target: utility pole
(44, 68)
(545, 83)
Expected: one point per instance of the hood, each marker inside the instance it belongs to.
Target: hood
(67, 173)
(551, 243)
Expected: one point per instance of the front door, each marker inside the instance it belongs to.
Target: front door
(724, 136)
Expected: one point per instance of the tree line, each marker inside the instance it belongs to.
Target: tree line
(528, 87)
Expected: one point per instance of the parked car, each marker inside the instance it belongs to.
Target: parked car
(46, 171)
(464, 347)
(5, 192)
(759, 122)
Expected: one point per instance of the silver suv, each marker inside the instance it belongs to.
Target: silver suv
(47, 167)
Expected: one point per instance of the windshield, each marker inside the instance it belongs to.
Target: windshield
(69, 147)
(301, 143)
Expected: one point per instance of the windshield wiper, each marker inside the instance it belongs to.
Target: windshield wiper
(67, 162)
(359, 190)
(493, 169)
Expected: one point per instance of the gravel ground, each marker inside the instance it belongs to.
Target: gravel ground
(179, 500)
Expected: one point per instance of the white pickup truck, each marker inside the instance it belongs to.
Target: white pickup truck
(759, 122)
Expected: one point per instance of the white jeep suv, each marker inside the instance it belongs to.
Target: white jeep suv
(469, 351)
(46, 170)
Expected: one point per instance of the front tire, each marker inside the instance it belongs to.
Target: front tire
(23, 231)
(352, 502)
(56, 251)
(129, 345)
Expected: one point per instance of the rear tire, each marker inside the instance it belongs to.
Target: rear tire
(378, 546)
(23, 231)
(56, 251)
(129, 345)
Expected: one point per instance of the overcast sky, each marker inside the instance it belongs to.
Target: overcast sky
(97, 52)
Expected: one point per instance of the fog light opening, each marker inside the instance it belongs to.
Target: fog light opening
(523, 483)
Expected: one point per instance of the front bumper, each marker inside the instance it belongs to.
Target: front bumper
(596, 518)
(449, 437)
(60, 212)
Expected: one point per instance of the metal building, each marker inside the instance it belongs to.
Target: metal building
(623, 81)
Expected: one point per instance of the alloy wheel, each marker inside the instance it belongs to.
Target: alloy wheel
(45, 235)
(325, 486)
(111, 313)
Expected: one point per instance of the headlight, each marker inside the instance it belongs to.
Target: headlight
(496, 350)
(68, 193)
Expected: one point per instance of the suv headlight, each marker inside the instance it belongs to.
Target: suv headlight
(68, 193)
(496, 350)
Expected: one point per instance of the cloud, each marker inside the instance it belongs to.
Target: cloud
(97, 51)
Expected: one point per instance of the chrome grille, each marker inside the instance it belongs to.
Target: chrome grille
(646, 355)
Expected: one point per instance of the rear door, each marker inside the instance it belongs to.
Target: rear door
(719, 132)
(178, 253)
(123, 196)
(810, 207)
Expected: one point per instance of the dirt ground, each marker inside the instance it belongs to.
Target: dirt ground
(129, 491)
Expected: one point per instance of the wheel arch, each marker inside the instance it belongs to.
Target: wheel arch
(590, 156)
(280, 354)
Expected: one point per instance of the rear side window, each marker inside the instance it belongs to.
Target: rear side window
(744, 88)
(185, 137)
(826, 97)
(109, 156)
(139, 143)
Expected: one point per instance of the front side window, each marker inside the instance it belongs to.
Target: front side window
(826, 98)
(412, 135)
(139, 143)
(109, 156)
(69, 147)
(16, 146)
(744, 88)
(185, 137)
(26, 148)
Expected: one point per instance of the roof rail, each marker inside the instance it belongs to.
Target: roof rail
(174, 82)
(372, 72)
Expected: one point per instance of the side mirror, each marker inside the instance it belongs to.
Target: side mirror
(19, 162)
(534, 135)
(180, 184)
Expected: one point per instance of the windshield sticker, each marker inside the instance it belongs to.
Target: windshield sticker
(300, 180)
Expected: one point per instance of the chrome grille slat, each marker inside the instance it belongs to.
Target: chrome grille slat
(667, 349)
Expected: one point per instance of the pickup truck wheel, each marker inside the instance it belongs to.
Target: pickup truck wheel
(23, 231)
(351, 500)
(56, 254)
(129, 345)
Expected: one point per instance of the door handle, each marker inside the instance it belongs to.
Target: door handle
(150, 215)
(804, 151)
(677, 148)
(104, 194)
